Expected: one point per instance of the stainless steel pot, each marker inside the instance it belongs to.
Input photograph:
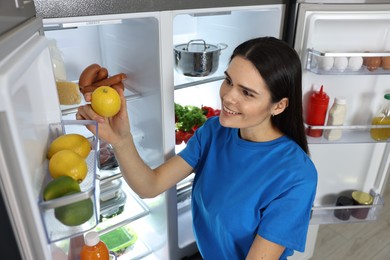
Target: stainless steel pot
(196, 58)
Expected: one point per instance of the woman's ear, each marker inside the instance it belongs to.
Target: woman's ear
(280, 106)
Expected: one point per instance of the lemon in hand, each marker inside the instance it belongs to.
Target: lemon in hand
(68, 163)
(75, 142)
(106, 101)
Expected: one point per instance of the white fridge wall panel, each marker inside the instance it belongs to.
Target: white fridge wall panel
(28, 104)
(343, 167)
(80, 47)
(29, 99)
(220, 26)
(349, 32)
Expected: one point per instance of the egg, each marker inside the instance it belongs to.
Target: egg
(325, 63)
(372, 63)
(340, 63)
(386, 63)
(355, 63)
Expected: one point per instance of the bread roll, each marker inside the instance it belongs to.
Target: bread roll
(68, 93)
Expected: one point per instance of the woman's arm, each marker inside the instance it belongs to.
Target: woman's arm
(263, 249)
(145, 181)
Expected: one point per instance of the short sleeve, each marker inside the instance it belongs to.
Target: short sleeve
(286, 219)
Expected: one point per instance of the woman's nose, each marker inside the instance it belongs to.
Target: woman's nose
(230, 95)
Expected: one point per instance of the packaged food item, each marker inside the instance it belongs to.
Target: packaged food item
(343, 214)
(120, 240)
(316, 112)
(68, 93)
(57, 60)
(382, 118)
(361, 198)
(336, 117)
(94, 248)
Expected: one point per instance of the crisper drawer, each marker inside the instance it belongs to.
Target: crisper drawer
(55, 211)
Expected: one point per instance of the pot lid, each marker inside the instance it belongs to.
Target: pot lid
(198, 46)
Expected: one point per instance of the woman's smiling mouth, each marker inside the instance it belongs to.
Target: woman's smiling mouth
(230, 112)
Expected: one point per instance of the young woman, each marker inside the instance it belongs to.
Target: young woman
(254, 182)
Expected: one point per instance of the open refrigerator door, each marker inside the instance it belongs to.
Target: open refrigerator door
(132, 228)
(337, 44)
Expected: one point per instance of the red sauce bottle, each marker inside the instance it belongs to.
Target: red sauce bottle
(316, 112)
(94, 249)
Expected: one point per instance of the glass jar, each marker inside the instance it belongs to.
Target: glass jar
(361, 198)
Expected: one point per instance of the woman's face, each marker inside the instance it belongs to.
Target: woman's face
(245, 98)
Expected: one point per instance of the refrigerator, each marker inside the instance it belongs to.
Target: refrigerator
(224, 28)
(345, 31)
(123, 37)
(31, 117)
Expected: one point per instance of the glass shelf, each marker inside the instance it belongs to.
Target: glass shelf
(350, 134)
(129, 93)
(322, 63)
(133, 209)
(182, 81)
(326, 214)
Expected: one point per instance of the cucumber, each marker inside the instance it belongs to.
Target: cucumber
(59, 187)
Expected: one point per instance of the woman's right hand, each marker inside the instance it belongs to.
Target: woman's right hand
(114, 130)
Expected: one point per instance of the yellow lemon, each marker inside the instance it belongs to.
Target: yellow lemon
(68, 163)
(75, 142)
(106, 101)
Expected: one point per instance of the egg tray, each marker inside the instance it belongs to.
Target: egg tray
(55, 230)
(313, 66)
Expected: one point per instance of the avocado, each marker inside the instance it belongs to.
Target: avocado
(76, 213)
(59, 187)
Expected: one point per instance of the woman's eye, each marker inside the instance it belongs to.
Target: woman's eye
(228, 81)
(246, 92)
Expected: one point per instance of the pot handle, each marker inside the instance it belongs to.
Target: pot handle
(222, 46)
(197, 40)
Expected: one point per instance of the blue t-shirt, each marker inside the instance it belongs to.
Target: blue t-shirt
(244, 188)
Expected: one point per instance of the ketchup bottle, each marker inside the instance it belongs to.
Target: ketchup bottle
(316, 112)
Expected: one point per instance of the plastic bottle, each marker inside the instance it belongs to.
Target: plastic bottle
(94, 248)
(57, 60)
(316, 112)
(382, 118)
(336, 117)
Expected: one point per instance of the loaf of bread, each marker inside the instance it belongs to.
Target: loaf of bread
(68, 93)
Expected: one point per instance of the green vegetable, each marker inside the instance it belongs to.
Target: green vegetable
(189, 118)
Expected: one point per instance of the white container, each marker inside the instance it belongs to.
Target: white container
(336, 118)
(57, 60)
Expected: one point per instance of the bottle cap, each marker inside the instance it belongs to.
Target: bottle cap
(320, 97)
(91, 238)
(387, 96)
(340, 100)
(362, 198)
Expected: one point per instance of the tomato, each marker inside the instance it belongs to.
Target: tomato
(187, 136)
(179, 137)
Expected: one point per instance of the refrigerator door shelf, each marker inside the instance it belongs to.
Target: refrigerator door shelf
(349, 134)
(55, 230)
(326, 214)
(325, 63)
